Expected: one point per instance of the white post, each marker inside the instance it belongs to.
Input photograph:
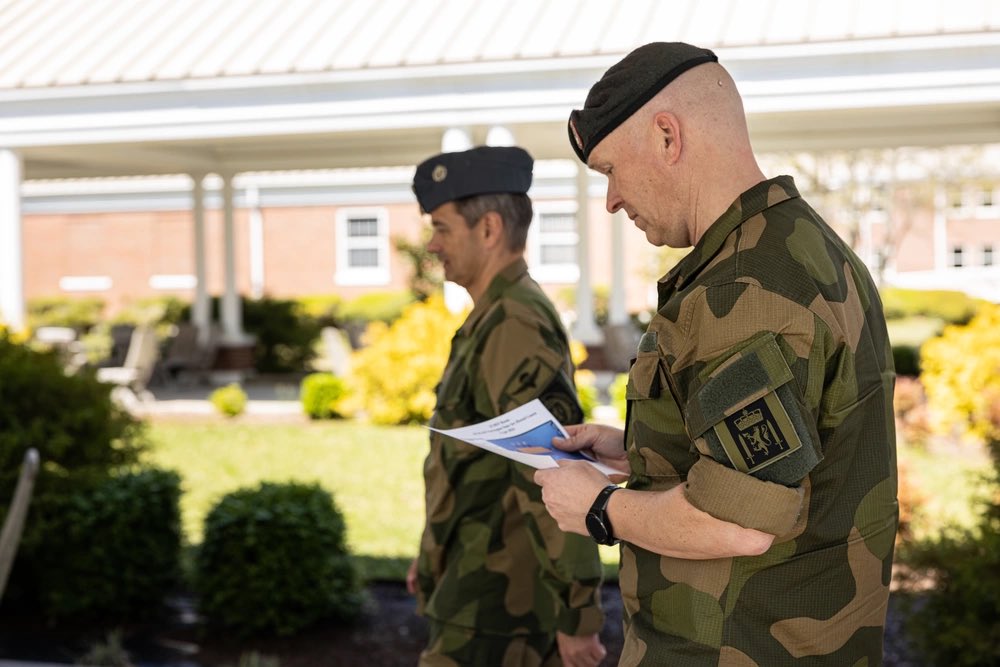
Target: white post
(232, 313)
(940, 229)
(498, 135)
(201, 313)
(453, 140)
(617, 310)
(585, 328)
(11, 252)
(256, 242)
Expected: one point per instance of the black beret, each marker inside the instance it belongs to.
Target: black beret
(477, 171)
(628, 85)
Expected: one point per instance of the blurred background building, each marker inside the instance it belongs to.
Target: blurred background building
(266, 147)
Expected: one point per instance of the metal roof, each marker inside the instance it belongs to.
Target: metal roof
(92, 88)
(56, 43)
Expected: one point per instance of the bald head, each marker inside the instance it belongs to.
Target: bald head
(678, 161)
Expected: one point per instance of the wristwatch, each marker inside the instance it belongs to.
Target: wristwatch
(598, 524)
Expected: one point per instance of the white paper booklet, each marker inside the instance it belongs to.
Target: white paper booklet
(524, 434)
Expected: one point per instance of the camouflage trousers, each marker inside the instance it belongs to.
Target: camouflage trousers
(455, 646)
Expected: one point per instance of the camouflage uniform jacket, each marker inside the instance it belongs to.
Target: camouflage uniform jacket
(491, 557)
(764, 385)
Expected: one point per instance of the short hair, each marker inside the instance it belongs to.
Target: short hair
(514, 209)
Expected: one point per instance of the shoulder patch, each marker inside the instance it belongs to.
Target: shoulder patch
(560, 399)
(758, 435)
(524, 383)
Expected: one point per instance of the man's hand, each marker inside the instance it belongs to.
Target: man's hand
(411, 578)
(585, 651)
(601, 442)
(568, 492)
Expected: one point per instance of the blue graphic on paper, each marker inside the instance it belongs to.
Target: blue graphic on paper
(537, 441)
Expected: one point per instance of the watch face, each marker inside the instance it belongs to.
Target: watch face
(596, 528)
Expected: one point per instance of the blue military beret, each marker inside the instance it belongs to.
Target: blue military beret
(628, 85)
(477, 171)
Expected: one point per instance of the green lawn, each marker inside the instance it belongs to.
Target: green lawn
(374, 474)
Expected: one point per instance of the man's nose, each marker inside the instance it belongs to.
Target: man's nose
(613, 202)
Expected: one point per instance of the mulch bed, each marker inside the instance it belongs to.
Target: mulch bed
(388, 634)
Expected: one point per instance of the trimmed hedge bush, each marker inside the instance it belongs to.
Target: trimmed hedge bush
(115, 548)
(274, 560)
(83, 439)
(322, 395)
(230, 400)
(950, 306)
(60, 311)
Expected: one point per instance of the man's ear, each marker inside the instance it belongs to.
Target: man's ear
(668, 133)
(492, 229)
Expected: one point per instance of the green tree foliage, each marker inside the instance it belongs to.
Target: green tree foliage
(82, 530)
(426, 278)
(958, 622)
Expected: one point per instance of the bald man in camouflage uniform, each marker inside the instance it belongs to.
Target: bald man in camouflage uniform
(758, 523)
(499, 582)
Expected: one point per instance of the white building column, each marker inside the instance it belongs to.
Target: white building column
(498, 135)
(201, 312)
(617, 310)
(453, 140)
(941, 254)
(585, 328)
(11, 251)
(256, 231)
(232, 311)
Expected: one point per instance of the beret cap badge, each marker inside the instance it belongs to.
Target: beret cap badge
(439, 174)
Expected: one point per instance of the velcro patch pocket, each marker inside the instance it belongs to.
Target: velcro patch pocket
(749, 414)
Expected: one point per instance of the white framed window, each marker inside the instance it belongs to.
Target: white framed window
(553, 241)
(956, 256)
(362, 247)
(988, 255)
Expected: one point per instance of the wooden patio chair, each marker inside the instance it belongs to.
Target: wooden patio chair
(140, 361)
(13, 523)
(186, 356)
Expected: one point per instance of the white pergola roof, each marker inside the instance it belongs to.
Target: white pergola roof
(110, 88)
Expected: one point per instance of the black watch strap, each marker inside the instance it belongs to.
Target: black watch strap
(599, 511)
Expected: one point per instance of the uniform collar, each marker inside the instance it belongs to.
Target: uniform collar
(508, 275)
(755, 200)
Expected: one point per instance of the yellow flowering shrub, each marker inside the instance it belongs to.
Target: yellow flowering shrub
(960, 371)
(395, 373)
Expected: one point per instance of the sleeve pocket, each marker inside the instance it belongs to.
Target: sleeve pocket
(750, 415)
(646, 377)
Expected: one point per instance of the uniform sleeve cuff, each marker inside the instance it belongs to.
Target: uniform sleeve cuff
(736, 497)
(581, 622)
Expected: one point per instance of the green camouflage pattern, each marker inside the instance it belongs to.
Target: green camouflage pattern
(491, 557)
(455, 646)
(764, 385)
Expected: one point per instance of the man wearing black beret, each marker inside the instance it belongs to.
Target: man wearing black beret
(759, 520)
(498, 581)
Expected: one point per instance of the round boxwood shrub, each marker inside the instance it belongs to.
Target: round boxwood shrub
(230, 400)
(274, 560)
(119, 545)
(322, 394)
